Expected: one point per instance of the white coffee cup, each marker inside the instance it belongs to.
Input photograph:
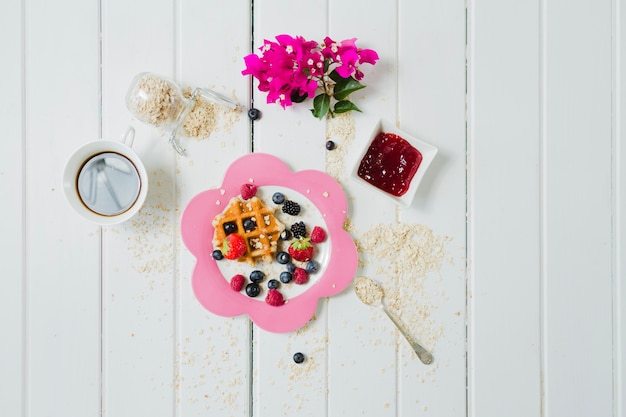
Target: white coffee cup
(105, 181)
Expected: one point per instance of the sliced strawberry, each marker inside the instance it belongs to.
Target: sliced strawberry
(318, 235)
(301, 249)
(248, 191)
(234, 246)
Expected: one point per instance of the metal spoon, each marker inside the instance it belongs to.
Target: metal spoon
(371, 293)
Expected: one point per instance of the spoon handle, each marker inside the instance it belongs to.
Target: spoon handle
(425, 356)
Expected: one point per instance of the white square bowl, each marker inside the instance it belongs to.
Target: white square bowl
(427, 150)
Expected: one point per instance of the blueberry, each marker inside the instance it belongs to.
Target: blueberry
(290, 267)
(249, 224)
(230, 227)
(278, 198)
(253, 289)
(257, 276)
(283, 257)
(285, 277)
(272, 284)
(254, 114)
(312, 266)
(330, 145)
(285, 234)
(217, 255)
(298, 357)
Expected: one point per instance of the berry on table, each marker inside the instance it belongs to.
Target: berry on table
(254, 114)
(298, 357)
(291, 207)
(217, 255)
(278, 198)
(330, 145)
(237, 281)
(253, 289)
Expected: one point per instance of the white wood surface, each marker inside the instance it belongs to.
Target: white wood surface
(523, 309)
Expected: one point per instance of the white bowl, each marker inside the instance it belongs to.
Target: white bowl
(427, 150)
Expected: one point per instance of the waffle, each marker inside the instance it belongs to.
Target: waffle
(262, 240)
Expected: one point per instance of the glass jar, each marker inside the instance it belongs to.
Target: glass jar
(158, 101)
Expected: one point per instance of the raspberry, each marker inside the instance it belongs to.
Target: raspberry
(274, 298)
(291, 207)
(318, 235)
(298, 229)
(300, 276)
(248, 191)
(237, 281)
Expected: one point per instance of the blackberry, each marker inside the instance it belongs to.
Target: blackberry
(253, 289)
(291, 207)
(298, 229)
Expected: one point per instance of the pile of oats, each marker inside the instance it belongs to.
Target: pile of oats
(155, 100)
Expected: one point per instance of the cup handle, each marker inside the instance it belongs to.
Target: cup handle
(129, 137)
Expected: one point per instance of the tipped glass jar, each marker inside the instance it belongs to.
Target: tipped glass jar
(160, 102)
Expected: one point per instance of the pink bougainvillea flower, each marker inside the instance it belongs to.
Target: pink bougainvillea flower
(212, 288)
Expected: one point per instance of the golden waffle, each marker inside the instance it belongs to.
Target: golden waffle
(261, 240)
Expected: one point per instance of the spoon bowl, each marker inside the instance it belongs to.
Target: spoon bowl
(371, 293)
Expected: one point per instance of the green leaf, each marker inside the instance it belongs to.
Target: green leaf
(345, 86)
(345, 106)
(321, 104)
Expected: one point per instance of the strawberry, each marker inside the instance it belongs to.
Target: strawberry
(300, 276)
(234, 246)
(301, 249)
(237, 281)
(248, 191)
(274, 298)
(318, 235)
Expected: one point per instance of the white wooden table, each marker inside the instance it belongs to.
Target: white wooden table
(522, 306)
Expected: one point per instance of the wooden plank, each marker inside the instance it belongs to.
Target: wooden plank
(363, 354)
(504, 154)
(12, 220)
(139, 265)
(213, 353)
(431, 106)
(577, 209)
(619, 156)
(62, 264)
(279, 385)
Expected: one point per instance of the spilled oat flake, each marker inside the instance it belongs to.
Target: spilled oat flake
(206, 118)
(404, 255)
(341, 130)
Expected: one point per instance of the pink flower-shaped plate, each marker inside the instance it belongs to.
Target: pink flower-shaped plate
(324, 203)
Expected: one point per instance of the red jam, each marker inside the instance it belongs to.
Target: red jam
(390, 163)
